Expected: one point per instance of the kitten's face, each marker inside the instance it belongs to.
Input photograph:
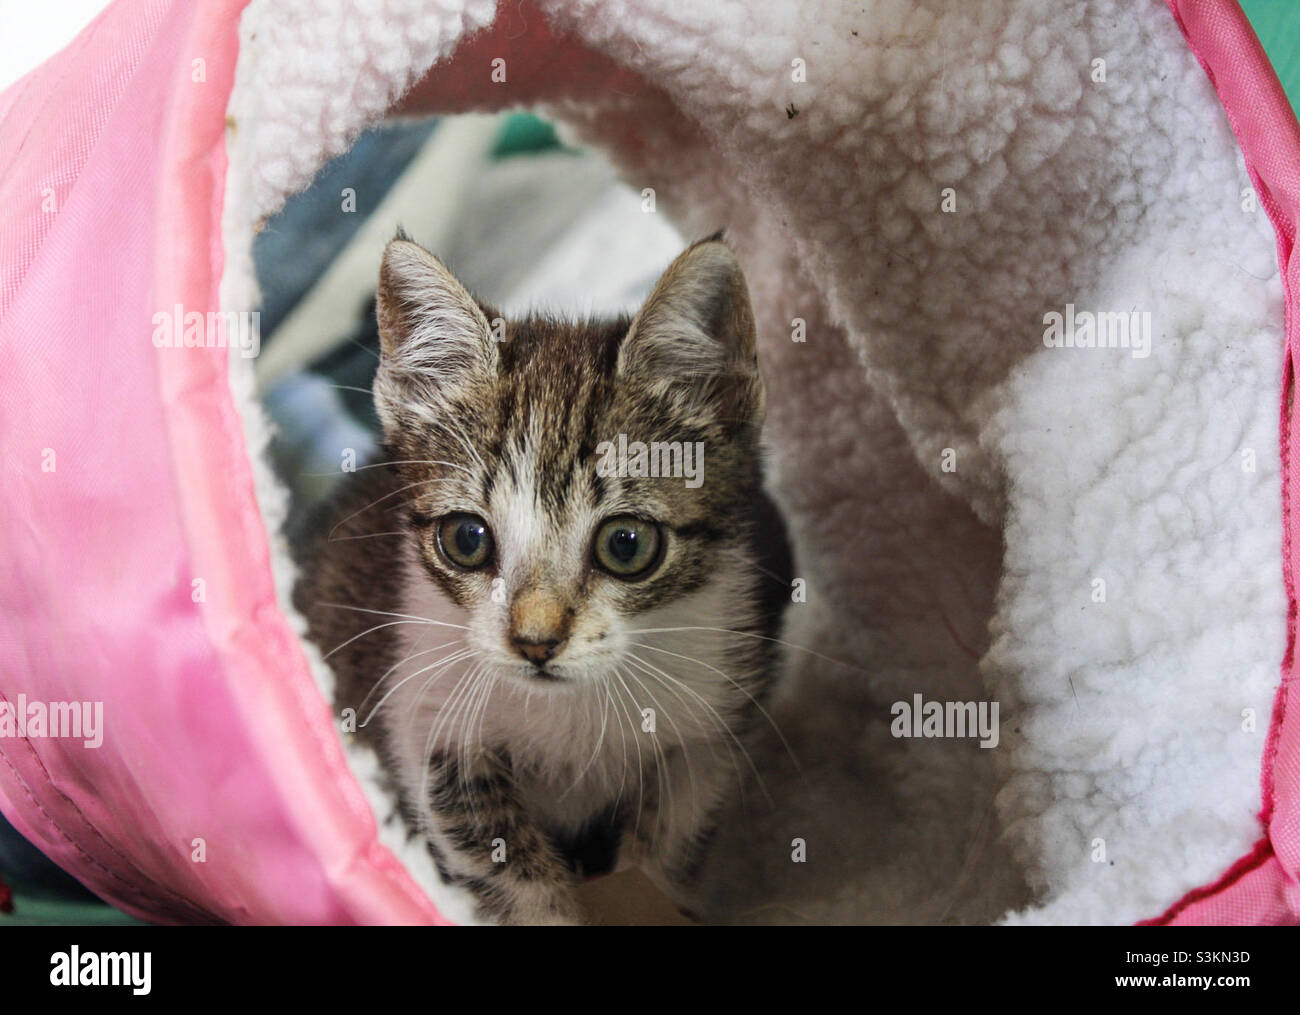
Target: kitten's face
(518, 509)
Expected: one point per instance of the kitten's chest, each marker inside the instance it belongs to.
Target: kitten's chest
(586, 827)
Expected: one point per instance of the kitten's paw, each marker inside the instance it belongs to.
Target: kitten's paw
(536, 906)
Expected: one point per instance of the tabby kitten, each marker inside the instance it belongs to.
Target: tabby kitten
(563, 659)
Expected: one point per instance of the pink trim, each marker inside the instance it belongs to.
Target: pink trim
(272, 683)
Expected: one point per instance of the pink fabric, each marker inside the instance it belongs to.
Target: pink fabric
(214, 729)
(1263, 886)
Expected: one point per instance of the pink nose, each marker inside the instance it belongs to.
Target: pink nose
(537, 652)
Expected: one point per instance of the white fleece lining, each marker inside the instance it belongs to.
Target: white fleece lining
(1126, 773)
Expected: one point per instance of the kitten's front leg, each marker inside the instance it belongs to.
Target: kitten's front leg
(485, 841)
(676, 829)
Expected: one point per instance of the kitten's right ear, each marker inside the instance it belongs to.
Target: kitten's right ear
(433, 337)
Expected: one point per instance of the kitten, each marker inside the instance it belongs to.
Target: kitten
(565, 658)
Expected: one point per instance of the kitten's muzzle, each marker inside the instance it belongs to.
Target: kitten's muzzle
(539, 624)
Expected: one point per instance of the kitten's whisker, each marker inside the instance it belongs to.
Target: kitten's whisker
(462, 718)
(447, 706)
(710, 713)
(365, 348)
(383, 465)
(445, 661)
(640, 766)
(622, 742)
(365, 535)
(441, 669)
(455, 712)
(457, 728)
(389, 613)
(369, 630)
(447, 710)
(681, 737)
(444, 712)
(486, 681)
(734, 683)
(380, 500)
(667, 676)
(492, 678)
(751, 634)
(483, 703)
(600, 740)
(665, 783)
(783, 582)
(414, 714)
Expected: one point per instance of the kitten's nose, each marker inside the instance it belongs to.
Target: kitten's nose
(539, 624)
(537, 652)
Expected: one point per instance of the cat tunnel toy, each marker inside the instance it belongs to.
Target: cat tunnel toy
(992, 492)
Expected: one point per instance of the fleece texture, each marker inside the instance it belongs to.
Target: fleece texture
(1087, 536)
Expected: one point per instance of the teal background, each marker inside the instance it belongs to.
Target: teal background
(1277, 23)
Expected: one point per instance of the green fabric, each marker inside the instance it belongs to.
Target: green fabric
(38, 911)
(1277, 23)
(523, 134)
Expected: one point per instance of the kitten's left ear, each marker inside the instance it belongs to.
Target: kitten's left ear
(693, 341)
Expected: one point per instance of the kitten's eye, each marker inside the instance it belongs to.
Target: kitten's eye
(627, 547)
(465, 540)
